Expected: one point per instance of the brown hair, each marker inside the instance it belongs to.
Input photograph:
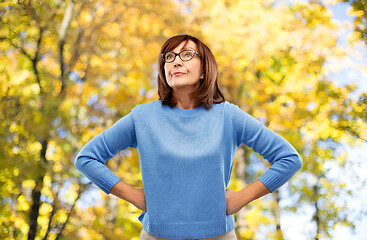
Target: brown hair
(208, 92)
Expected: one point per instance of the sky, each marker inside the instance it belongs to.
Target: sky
(357, 59)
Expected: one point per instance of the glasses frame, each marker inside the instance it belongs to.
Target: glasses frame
(179, 55)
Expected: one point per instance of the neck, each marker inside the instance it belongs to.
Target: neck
(184, 100)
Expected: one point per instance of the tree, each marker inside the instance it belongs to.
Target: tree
(360, 21)
(61, 63)
(71, 69)
(271, 59)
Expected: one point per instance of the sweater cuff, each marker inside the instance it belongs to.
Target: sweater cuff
(112, 181)
(271, 180)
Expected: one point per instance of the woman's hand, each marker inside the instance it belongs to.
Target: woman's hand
(234, 201)
(130, 194)
(139, 199)
(238, 199)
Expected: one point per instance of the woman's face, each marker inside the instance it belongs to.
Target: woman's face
(180, 74)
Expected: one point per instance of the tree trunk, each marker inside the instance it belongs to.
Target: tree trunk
(276, 210)
(317, 212)
(241, 174)
(36, 194)
(62, 36)
(33, 216)
(112, 206)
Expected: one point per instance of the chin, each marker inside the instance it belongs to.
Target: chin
(176, 83)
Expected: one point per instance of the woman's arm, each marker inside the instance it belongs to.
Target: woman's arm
(93, 156)
(284, 159)
(238, 199)
(130, 194)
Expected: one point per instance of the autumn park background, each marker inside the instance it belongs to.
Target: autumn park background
(69, 69)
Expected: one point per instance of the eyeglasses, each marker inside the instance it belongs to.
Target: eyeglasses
(185, 55)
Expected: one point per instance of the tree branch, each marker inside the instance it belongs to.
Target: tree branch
(22, 50)
(80, 191)
(36, 59)
(51, 217)
(62, 34)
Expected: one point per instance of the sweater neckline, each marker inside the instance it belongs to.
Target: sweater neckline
(185, 112)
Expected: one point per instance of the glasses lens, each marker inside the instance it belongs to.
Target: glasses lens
(169, 57)
(186, 55)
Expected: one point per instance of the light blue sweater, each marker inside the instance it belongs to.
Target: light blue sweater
(186, 159)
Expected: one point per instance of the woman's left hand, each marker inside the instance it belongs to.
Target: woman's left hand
(234, 201)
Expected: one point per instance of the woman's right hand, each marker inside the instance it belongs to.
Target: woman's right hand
(139, 199)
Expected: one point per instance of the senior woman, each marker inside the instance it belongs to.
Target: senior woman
(186, 142)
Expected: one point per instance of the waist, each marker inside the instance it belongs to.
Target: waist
(187, 229)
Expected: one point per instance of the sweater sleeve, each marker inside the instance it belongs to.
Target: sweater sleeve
(93, 156)
(281, 154)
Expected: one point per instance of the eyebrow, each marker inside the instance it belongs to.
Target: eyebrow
(185, 48)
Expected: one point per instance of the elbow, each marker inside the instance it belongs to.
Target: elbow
(298, 163)
(78, 163)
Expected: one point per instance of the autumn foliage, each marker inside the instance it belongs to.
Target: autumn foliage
(70, 69)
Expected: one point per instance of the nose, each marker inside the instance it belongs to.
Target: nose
(177, 61)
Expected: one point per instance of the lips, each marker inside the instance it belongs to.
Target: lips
(178, 73)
